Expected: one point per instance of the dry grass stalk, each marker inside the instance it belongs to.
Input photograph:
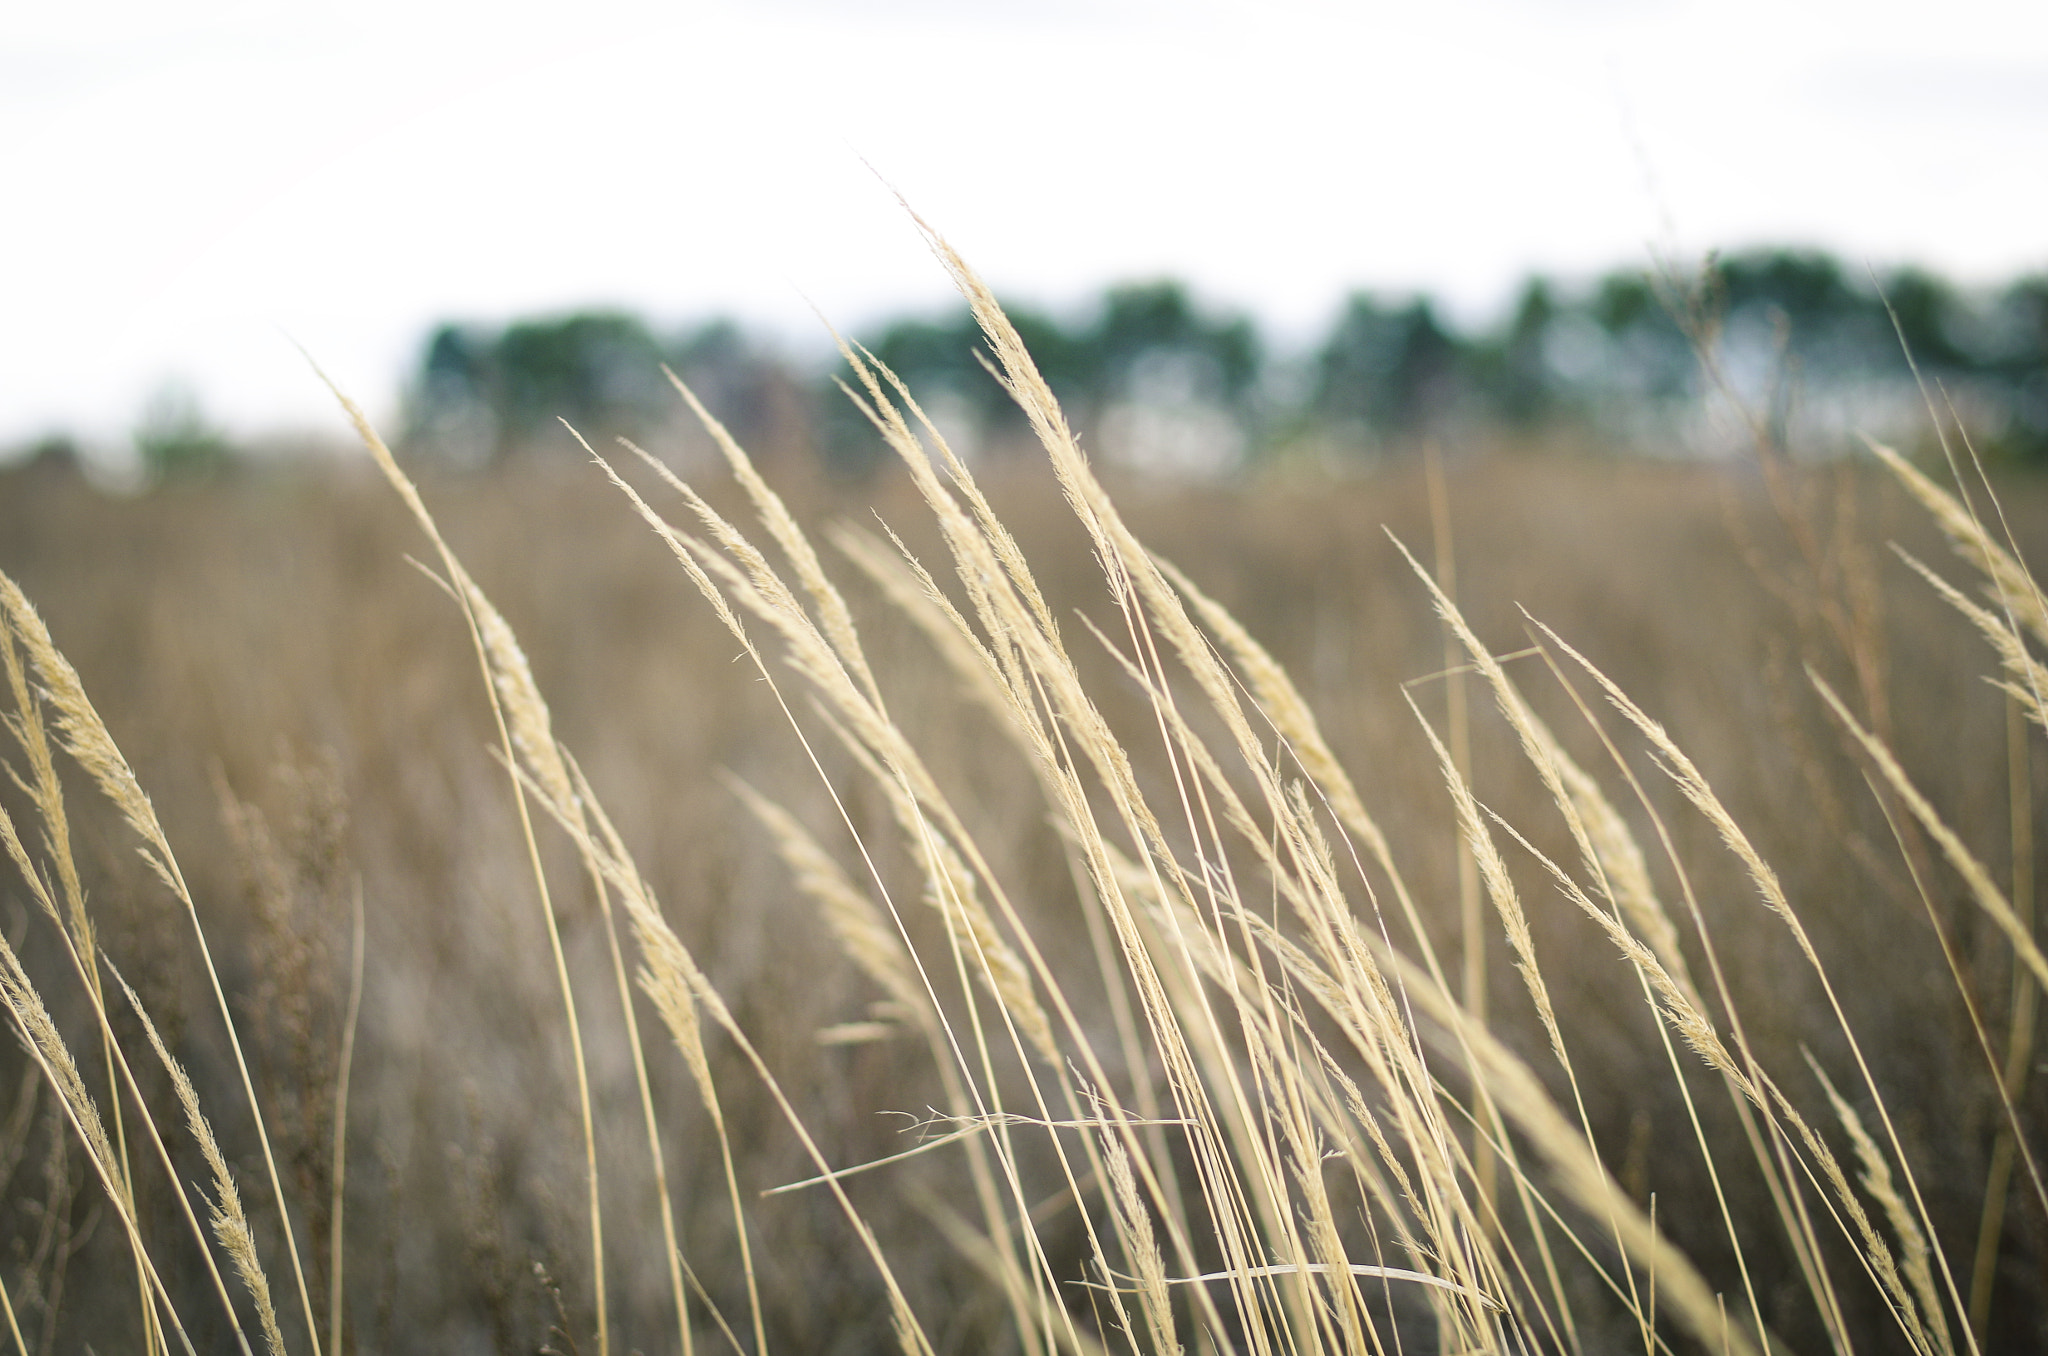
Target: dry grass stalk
(230, 1222)
(47, 795)
(677, 986)
(47, 1047)
(907, 785)
(1281, 1051)
(1050, 673)
(759, 590)
(87, 739)
(834, 616)
(1983, 889)
(870, 942)
(13, 1323)
(525, 731)
(1500, 888)
(1913, 1247)
(2021, 609)
(118, 1069)
(1686, 775)
(2027, 680)
(1134, 1231)
(345, 1067)
(1615, 861)
(2006, 578)
(1583, 1177)
(1610, 851)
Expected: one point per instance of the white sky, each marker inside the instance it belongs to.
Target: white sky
(190, 188)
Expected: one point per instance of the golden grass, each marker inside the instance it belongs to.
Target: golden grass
(1203, 1048)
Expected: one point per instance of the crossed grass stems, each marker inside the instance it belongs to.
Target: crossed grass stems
(1333, 1129)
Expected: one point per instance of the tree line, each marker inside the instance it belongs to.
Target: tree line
(1152, 373)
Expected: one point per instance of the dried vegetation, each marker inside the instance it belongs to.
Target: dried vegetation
(1012, 916)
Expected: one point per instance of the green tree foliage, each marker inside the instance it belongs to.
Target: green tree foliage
(1618, 355)
(1390, 369)
(479, 394)
(2012, 348)
(175, 439)
(1517, 371)
(1929, 317)
(590, 368)
(1153, 334)
(1646, 354)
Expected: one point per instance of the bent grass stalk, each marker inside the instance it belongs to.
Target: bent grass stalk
(523, 732)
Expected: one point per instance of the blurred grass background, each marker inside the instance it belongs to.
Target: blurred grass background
(301, 703)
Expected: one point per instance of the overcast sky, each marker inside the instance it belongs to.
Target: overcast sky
(192, 188)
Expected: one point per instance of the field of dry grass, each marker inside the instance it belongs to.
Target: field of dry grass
(1179, 1017)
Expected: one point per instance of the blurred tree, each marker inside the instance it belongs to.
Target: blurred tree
(175, 439)
(1926, 315)
(1515, 371)
(1648, 356)
(2022, 311)
(745, 386)
(54, 456)
(449, 408)
(479, 395)
(1389, 369)
(2015, 358)
(600, 370)
(1805, 284)
(1617, 354)
(1802, 300)
(1151, 335)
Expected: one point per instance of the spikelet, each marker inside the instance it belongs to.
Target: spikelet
(2007, 579)
(2027, 680)
(1982, 887)
(1678, 1001)
(84, 734)
(33, 1021)
(1500, 887)
(10, 837)
(950, 888)
(1134, 1232)
(230, 1222)
(916, 594)
(526, 713)
(868, 940)
(47, 792)
(1289, 712)
(834, 617)
(1913, 1250)
(1685, 774)
(1598, 829)
(668, 974)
